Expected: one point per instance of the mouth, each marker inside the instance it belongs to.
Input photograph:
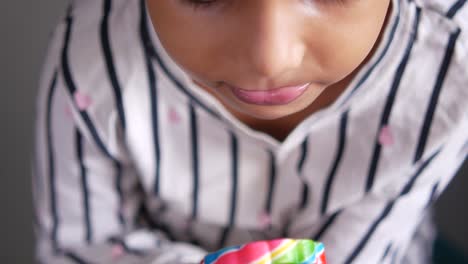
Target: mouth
(274, 96)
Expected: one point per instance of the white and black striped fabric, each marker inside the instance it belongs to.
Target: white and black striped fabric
(134, 161)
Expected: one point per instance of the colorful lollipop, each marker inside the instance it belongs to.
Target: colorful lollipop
(278, 251)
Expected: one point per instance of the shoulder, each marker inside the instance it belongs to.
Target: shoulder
(94, 50)
(444, 33)
(100, 43)
(452, 11)
(432, 102)
(448, 8)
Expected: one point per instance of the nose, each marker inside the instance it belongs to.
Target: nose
(271, 44)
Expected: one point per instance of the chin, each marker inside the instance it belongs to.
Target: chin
(268, 112)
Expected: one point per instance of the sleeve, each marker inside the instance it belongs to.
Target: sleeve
(379, 227)
(87, 192)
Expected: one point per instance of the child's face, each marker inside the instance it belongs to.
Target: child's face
(260, 45)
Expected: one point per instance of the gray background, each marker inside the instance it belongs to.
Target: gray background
(25, 27)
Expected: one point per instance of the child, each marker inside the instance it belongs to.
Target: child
(168, 129)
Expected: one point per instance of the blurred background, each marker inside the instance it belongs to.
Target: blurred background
(25, 28)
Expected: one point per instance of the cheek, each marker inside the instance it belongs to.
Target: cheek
(332, 59)
(185, 46)
(342, 49)
(193, 58)
(343, 40)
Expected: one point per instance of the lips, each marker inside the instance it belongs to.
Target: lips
(276, 96)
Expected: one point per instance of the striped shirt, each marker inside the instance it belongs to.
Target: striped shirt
(135, 162)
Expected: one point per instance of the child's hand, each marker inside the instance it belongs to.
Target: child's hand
(180, 253)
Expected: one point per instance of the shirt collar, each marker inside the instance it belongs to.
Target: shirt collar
(374, 66)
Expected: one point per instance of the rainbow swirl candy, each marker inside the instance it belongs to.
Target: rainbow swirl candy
(278, 251)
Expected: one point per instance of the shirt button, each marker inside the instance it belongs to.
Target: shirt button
(117, 251)
(386, 136)
(174, 116)
(82, 100)
(264, 220)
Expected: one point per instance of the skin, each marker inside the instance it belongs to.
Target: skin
(265, 44)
